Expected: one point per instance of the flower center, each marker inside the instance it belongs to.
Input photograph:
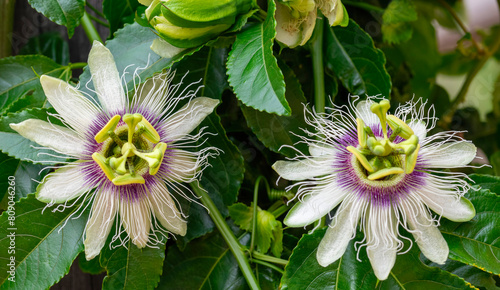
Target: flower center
(125, 155)
(381, 157)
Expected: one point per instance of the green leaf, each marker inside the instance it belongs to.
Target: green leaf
(130, 46)
(304, 272)
(395, 27)
(19, 78)
(62, 12)
(19, 147)
(206, 263)
(253, 70)
(92, 267)
(242, 216)
(26, 176)
(129, 267)
(275, 131)
(487, 182)
(476, 242)
(351, 55)
(8, 167)
(470, 274)
(45, 244)
(119, 12)
(49, 44)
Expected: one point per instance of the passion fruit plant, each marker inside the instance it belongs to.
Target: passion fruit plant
(301, 144)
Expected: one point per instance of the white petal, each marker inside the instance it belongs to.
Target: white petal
(64, 184)
(106, 79)
(165, 49)
(188, 117)
(164, 209)
(136, 220)
(382, 260)
(317, 149)
(428, 237)
(419, 128)
(304, 169)
(321, 201)
(78, 111)
(448, 155)
(100, 222)
(181, 165)
(57, 138)
(337, 237)
(364, 112)
(447, 204)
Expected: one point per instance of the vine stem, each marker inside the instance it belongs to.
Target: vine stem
(269, 259)
(317, 63)
(228, 236)
(89, 29)
(6, 26)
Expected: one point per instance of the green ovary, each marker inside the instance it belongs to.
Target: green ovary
(126, 153)
(380, 157)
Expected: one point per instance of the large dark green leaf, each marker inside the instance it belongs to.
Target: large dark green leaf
(352, 57)
(8, 166)
(130, 48)
(49, 44)
(304, 272)
(62, 12)
(275, 131)
(396, 27)
(132, 268)
(487, 182)
(206, 263)
(26, 174)
(119, 12)
(45, 244)
(19, 147)
(477, 242)
(253, 70)
(19, 79)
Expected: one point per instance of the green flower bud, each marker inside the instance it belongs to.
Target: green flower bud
(189, 23)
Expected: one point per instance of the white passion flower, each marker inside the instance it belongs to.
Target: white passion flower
(382, 177)
(130, 154)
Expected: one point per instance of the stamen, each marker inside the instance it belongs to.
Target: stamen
(101, 161)
(149, 131)
(362, 136)
(385, 172)
(128, 179)
(394, 122)
(411, 160)
(102, 135)
(361, 158)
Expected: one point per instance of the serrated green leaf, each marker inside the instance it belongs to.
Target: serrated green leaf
(206, 263)
(129, 267)
(62, 12)
(18, 79)
(253, 70)
(242, 216)
(45, 244)
(275, 131)
(396, 18)
(304, 272)
(19, 147)
(130, 46)
(476, 242)
(119, 12)
(351, 56)
(49, 44)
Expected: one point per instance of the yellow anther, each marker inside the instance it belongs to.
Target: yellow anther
(380, 109)
(361, 158)
(385, 172)
(128, 179)
(154, 158)
(149, 131)
(101, 161)
(405, 130)
(409, 145)
(161, 147)
(361, 133)
(411, 160)
(132, 120)
(118, 164)
(102, 135)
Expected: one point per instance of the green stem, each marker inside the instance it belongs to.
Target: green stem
(255, 198)
(77, 65)
(94, 9)
(228, 236)
(6, 26)
(99, 21)
(270, 259)
(280, 210)
(363, 6)
(89, 29)
(317, 63)
(269, 265)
